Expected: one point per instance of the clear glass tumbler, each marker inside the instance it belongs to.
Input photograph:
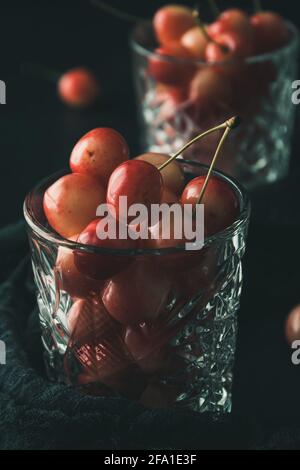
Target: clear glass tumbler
(184, 355)
(200, 95)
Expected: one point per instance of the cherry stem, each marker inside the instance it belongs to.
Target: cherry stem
(200, 23)
(233, 122)
(214, 7)
(229, 125)
(202, 26)
(122, 15)
(257, 6)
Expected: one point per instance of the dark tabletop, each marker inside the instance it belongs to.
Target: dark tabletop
(37, 135)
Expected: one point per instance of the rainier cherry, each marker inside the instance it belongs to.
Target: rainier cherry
(270, 30)
(221, 206)
(141, 346)
(164, 234)
(171, 22)
(78, 87)
(165, 69)
(195, 42)
(292, 327)
(98, 265)
(72, 280)
(231, 20)
(140, 181)
(168, 197)
(74, 314)
(172, 174)
(228, 46)
(176, 94)
(137, 294)
(71, 202)
(98, 153)
(209, 90)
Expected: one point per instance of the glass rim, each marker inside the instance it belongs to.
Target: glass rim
(258, 58)
(46, 233)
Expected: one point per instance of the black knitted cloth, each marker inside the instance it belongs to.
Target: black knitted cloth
(37, 414)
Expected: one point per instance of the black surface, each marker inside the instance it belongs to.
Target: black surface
(37, 135)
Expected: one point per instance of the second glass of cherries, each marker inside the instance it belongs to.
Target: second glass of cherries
(190, 74)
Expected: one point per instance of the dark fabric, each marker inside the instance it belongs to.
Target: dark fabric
(37, 414)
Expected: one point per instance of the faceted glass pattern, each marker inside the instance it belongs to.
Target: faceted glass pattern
(186, 357)
(260, 92)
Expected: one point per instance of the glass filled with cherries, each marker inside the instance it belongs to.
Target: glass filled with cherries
(130, 305)
(190, 73)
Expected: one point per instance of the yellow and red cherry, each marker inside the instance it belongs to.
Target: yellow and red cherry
(164, 67)
(232, 19)
(221, 207)
(78, 87)
(169, 197)
(195, 42)
(98, 153)
(72, 280)
(71, 203)
(172, 174)
(270, 31)
(138, 294)
(209, 90)
(171, 22)
(141, 346)
(228, 46)
(141, 183)
(100, 266)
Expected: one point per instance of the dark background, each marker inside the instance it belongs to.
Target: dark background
(37, 133)
(37, 130)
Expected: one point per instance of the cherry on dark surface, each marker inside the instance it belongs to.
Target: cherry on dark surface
(78, 87)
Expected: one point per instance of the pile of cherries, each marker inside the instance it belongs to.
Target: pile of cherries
(127, 291)
(230, 84)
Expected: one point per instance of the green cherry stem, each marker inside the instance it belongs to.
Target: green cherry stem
(202, 26)
(232, 123)
(200, 23)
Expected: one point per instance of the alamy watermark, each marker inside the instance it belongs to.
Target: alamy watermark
(296, 93)
(296, 354)
(2, 92)
(2, 353)
(177, 222)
